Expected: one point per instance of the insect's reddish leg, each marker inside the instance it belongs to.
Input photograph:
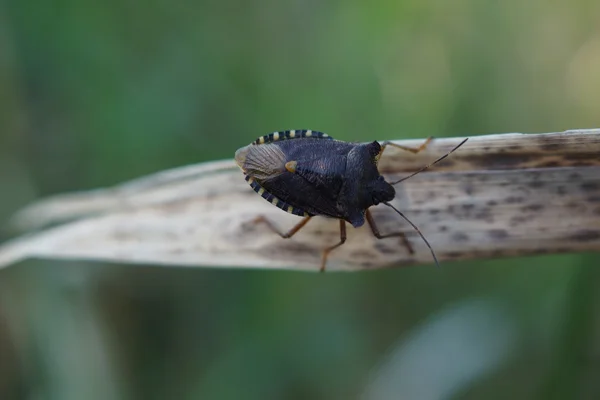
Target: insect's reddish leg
(378, 235)
(413, 150)
(328, 250)
(287, 235)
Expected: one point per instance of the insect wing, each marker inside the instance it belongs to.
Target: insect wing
(261, 162)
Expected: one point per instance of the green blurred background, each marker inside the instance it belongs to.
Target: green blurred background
(96, 93)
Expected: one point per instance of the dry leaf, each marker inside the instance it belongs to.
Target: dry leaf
(498, 195)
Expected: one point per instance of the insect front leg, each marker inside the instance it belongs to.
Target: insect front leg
(328, 250)
(413, 150)
(288, 234)
(378, 235)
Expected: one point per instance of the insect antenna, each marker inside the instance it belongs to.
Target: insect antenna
(433, 163)
(418, 231)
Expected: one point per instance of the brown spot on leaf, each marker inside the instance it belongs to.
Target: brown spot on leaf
(514, 200)
(533, 207)
(585, 235)
(537, 184)
(572, 205)
(485, 214)
(540, 251)
(590, 186)
(551, 147)
(469, 190)
(460, 237)
(518, 220)
(446, 163)
(582, 164)
(366, 264)
(498, 233)
(550, 164)
(468, 206)
(363, 255)
(455, 254)
(501, 161)
(578, 156)
(384, 248)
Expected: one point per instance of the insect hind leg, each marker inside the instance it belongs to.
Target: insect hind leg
(413, 150)
(264, 220)
(378, 235)
(329, 249)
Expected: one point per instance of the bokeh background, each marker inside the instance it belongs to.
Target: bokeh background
(96, 93)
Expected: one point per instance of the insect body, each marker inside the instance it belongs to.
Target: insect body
(308, 173)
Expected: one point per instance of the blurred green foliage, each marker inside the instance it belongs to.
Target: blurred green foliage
(95, 93)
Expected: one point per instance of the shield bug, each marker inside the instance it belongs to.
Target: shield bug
(308, 173)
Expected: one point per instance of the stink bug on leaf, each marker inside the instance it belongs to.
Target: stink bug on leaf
(308, 173)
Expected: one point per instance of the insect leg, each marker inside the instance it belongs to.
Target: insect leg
(288, 234)
(328, 250)
(378, 235)
(414, 150)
